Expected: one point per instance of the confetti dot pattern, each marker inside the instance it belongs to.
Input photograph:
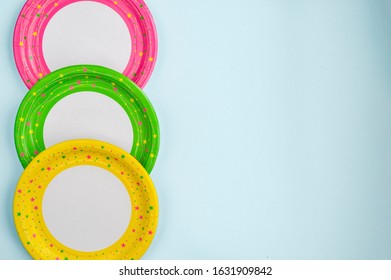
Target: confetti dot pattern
(38, 102)
(36, 14)
(28, 217)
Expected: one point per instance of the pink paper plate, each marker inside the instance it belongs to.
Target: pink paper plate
(36, 14)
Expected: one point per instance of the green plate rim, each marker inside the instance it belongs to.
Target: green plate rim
(42, 97)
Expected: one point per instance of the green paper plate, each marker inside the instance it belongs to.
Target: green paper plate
(42, 97)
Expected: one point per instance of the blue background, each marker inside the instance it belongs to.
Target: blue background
(275, 120)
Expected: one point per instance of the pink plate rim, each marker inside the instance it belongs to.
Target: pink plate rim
(36, 14)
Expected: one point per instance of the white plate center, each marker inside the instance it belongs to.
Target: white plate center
(86, 208)
(87, 33)
(88, 115)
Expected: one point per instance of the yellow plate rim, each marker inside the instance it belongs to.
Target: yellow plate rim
(122, 248)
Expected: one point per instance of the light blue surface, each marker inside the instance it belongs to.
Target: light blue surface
(276, 129)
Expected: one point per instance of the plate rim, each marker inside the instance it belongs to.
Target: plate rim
(144, 22)
(36, 140)
(128, 160)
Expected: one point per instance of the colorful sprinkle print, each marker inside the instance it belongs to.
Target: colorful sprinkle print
(36, 15)
(28, 216)
(57, 85)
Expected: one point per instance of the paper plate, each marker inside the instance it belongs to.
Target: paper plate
(38, 102)
(36, 14)
(28, 216)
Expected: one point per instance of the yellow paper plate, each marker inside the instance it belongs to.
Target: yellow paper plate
(28, 216)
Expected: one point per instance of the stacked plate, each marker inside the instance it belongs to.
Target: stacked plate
(43, 164)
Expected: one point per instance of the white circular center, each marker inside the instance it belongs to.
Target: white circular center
(88, 115)
(86, 208)
(87, 33)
